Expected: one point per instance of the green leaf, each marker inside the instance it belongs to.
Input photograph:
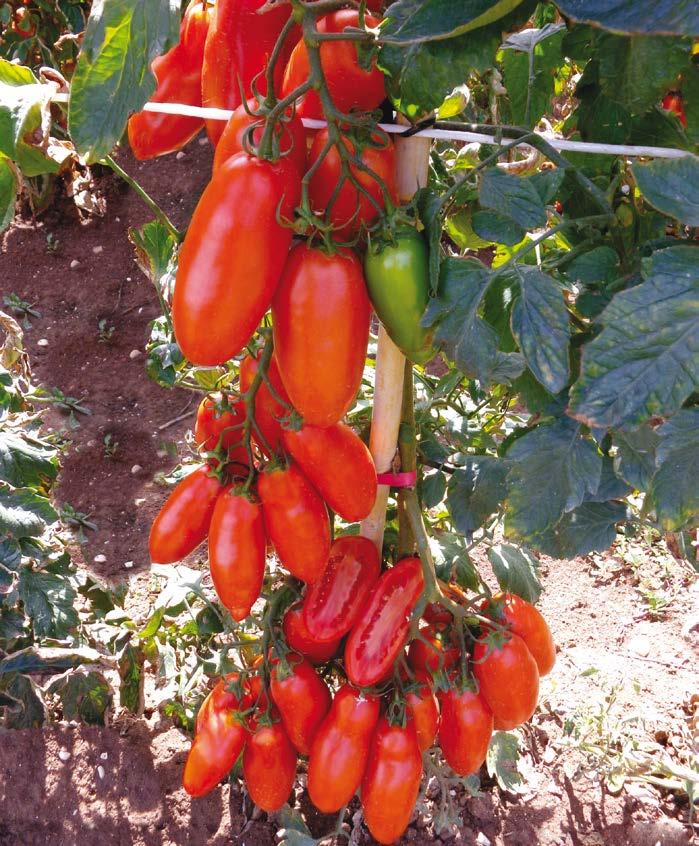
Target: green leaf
(113, 77)
(530, 61)
(48, 601)
(513, 197)
(674, 492)
(8, 193)
(25, 462)
(476, 491)
(181, 582)
(13, 625)
(156, 254)
(667, 17)
(516, 570)
(635, 457)
(645, 362)
(35, 659)
(293, 829)
(131, 675)
(588, 528)
(459, 227)
(433, 488)
(553, 468)
(501, 762)
(541, 327)
(611, 486)
(412, 21)
(671, 186)
(23, 513)
(497, 228)
(85, 695)
(30, 712)
(452, 561)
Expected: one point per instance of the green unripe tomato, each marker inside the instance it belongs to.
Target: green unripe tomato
(397, 276)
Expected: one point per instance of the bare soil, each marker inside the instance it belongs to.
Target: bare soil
(623, 673)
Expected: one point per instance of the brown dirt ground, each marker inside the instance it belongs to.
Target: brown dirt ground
(121, 784)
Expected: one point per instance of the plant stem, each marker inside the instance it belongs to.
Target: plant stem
(407, 448)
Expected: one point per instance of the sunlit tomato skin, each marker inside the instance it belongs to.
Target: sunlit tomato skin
(237, 48)
(350, 86)
(178, 79)
(423, 709)
(291, 134)
(237, 551)
(338, 463)
(341, 748)
(391, 781)
(302, 641)
(303, 700)
(232, 257)
(334, 603)
(465, 730)
(673, 103)
(183, 521)
(321, 317)
(296, 521)
(380, 633)
(508, 681)
(269, 766)
(350, 209)
(433, 652)
(268, 412)
(526, 621)
(215, 428)
(218, 742)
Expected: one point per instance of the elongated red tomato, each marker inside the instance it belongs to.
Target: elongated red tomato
(339, 465)
(334, 603)
(391, 781)
(183, 521)
(220, 424)
(434, 651)
(341, 748)
(291, 135)
(218, 742)
(465, 730)
(268, 411)
(303, 700)
(350, 86)
(178, 78)
(302, 641)
(321, 327)
(348, 209)
(380, 633)
(527, 622)
(422, 707)
(237, 48)
(237, 551)
(269, 766)
(232, 257)
(296, 521)
(508, 680)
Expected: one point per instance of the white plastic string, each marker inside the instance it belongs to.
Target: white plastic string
(446, 134)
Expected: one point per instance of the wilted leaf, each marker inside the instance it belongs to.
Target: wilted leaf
(25, 462)
(30, 712)
(24, 513)
(85, 696)
(501, 762)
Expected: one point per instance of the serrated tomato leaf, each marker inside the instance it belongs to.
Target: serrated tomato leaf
(591, 527)
(476, 491)
(513, 196)
(25, 461)
(48, 600)
(23, 512)
(516, 570)
(671, 186)
(673, 491)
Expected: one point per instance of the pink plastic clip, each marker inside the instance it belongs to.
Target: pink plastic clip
(398, 480)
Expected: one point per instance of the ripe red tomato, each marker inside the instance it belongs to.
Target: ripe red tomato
(526, 621)
(321, 317)
(215, 427)
(333, 605)
(339, 465)
(465, 730)
(380, 633)
(422, 707)
(232, 257)
(508, 680)
(673, 103)
(302, 641)
(296, 521)
(341, 748)
(237, 48)
(269, 766)
(237, 551)
(351, 209)
(435, 613)
(183, 521)
(350, 86)
(218, 742)
(178, 78)
(291, 134)
(268, 411)
(391, 781)
(435, 652)
(303, 700)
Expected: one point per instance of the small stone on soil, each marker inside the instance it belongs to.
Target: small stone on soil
(128, 564)
(180, 156)
(64, 755)
(136, 469)
(75, 263)
(97, 250)
(100, 771)
(134, 354)
(42, 342)
(100, 559)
